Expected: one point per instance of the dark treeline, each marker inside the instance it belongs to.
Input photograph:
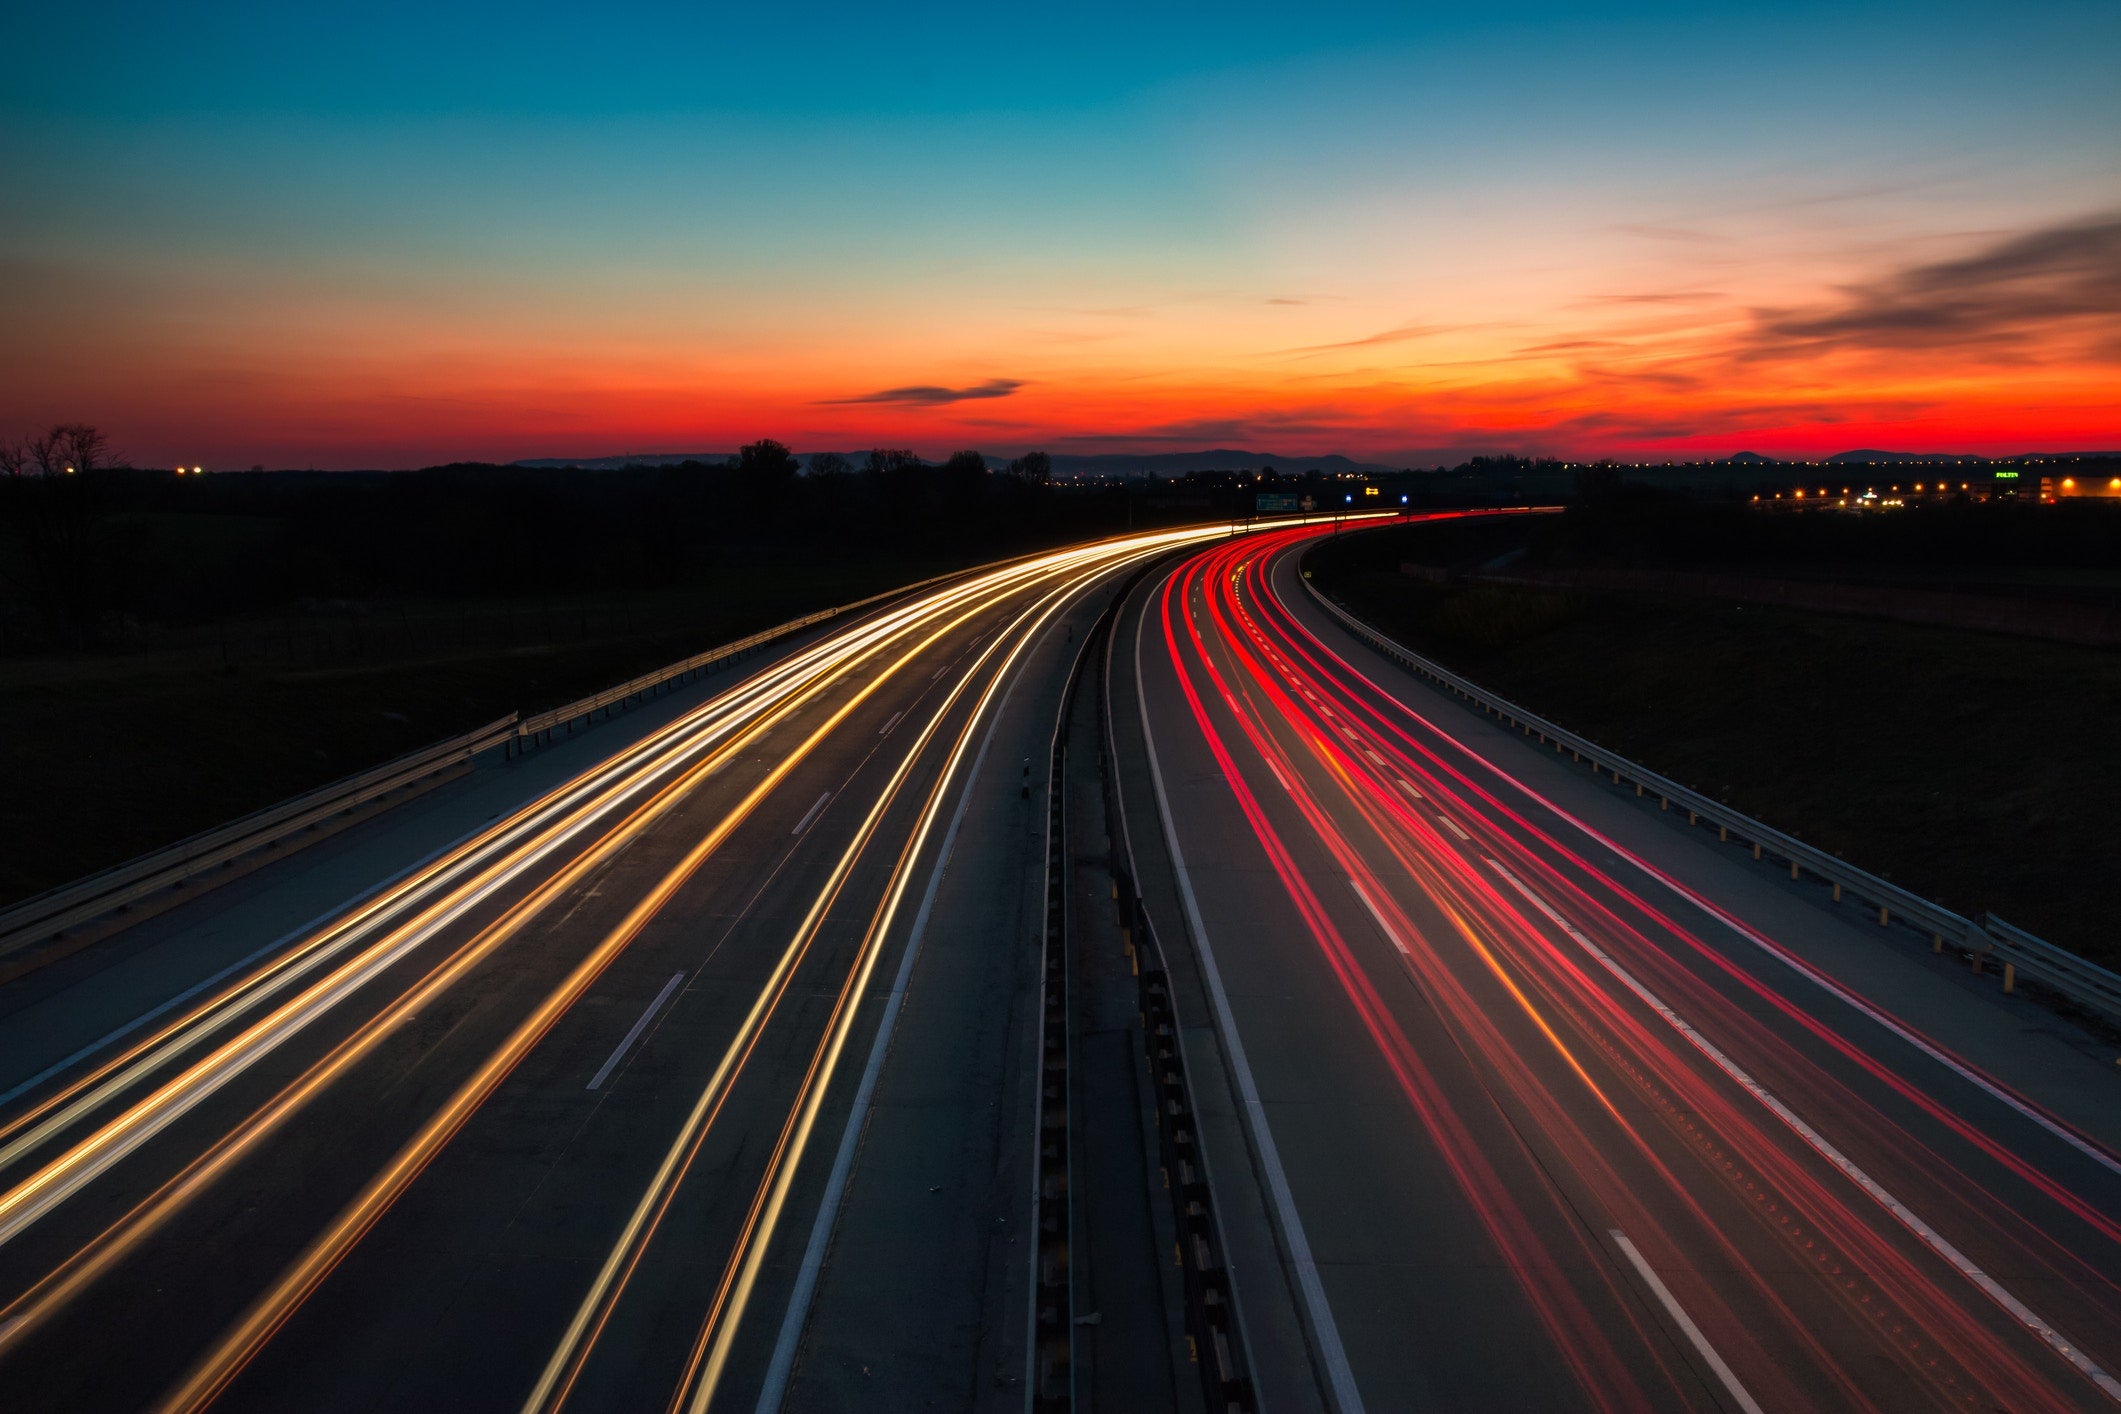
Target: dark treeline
(103, 558)
(1613, 521)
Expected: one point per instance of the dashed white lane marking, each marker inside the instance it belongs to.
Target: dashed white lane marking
(1452, 826)
(604, 1071)
(886, 729)
(811, 814)
(1686, 1323)
(1935, 1240)
(1384, 925)
(1408, 787)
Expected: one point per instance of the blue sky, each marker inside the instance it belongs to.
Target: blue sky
(779, 207)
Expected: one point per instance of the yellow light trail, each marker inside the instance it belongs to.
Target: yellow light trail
(237, 1346)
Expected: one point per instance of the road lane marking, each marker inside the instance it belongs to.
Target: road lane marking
(1332, 1354)
(1934, 1240)
(1373, 756)
(782, 1363)
(811, 814)
(603, 1071)
(1686, 1323)
(1408, 787)
(1378, 914)
(1989, 1086)
(1452, 826)
(886, 730)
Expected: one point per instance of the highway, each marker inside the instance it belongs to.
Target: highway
(1528, 1119)
(564, 1116)
(696, 1064)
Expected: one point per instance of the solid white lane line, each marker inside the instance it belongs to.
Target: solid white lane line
(1686, 1323)
(1383, 925)
(1331, 1353)
(1972, 1076)
(886, 730)
(1933, 1239)
(782, 1363)
(811, 814)
(1452, 826)
(604, 1070)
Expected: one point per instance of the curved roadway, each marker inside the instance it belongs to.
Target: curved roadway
(1530, 1120)
(703, 1074)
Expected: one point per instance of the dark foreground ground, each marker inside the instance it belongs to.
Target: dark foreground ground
(1978, 769)
(197, 733)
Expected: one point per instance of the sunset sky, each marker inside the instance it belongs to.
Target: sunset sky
(388, 235)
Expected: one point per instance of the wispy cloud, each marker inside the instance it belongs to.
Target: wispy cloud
(933, 395)
(1666, 233)
(2039, 285)
(1399, 335)
(1660, 297)
(1299, 422)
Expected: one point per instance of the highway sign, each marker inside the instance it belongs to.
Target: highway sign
(1267, 504)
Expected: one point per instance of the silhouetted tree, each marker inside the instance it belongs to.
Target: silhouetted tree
(765, 473)
(14, 456)
(829, 464)
(1032, 468)
(86, 448)
(46, 454)
(891, 461)
(68, 446)
(964, 482)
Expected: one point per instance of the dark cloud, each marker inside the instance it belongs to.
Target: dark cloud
(1570, 346)
(2034, 287)
(930, 395)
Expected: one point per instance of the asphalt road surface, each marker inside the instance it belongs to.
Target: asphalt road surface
(1533, 1121)
(566, 1115)
(695, 1064)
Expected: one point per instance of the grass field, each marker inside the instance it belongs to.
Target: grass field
(1977, 769)
(110, 755)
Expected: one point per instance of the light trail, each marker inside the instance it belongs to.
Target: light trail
(569, 1356)
(1397, 776)
(557, 841)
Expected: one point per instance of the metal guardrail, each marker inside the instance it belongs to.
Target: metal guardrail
(1214, 1325)
(50, 915)
(2082, 982)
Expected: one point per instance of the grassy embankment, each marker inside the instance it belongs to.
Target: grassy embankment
(111, 754)
(1974, 768)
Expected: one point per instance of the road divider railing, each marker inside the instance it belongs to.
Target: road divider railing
(47, 927)
(77, 912)
(1214, 1325)
(2017, 953)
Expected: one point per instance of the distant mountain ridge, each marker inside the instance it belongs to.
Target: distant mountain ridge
(1119, 464)
(1868, 456)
